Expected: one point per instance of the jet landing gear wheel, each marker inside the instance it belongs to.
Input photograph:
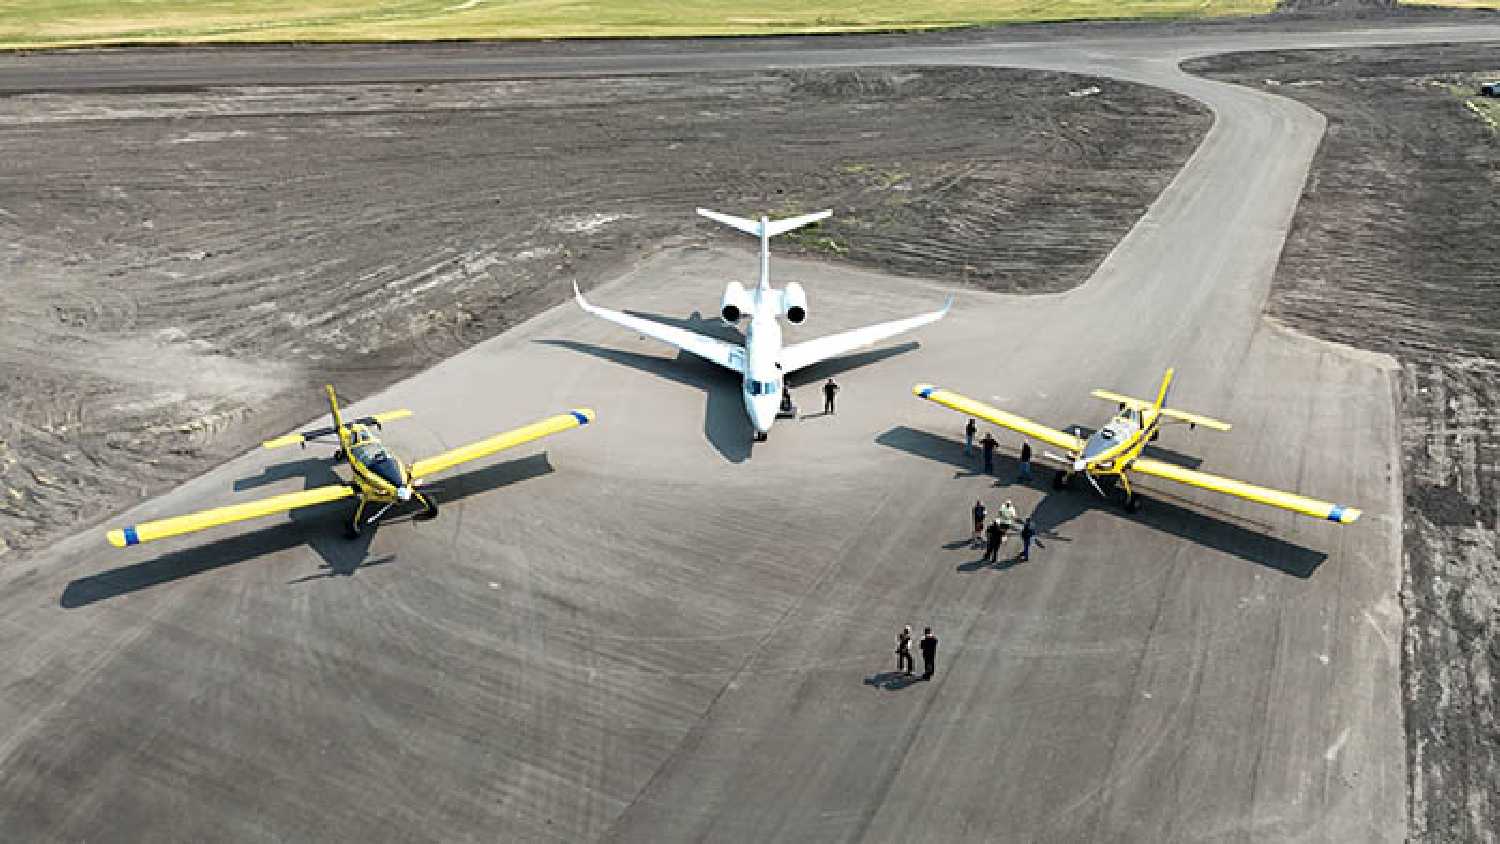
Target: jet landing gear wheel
(1132, 503)
(1062, 479)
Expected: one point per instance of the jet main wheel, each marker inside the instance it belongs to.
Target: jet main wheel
(1060, 479)
(352, 528)
(1132, 503)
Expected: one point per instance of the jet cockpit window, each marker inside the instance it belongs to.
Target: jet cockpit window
(761, 388)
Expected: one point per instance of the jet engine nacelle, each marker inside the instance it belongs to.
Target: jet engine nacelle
(736, 303)
(794, 303)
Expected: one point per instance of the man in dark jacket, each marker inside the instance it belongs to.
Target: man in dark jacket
(1025, 462)
(969, 431)
(1028, 536)
(830, 389)
(929, 653)
(993, 536)
(988, 444)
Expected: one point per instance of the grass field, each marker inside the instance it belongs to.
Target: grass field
(58, 23)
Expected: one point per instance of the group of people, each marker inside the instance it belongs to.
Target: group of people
(987, 447)
(992, 534)
(928, 646)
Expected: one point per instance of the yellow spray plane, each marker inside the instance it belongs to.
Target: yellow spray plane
(379, 477)
(1114, 451)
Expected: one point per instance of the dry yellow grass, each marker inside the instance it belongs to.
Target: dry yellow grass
(59, 23)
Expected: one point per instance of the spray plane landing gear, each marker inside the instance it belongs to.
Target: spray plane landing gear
(1132, 501)
(356, 525)
(431, 508)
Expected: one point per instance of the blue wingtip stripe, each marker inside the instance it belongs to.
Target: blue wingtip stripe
(926, 392)
(1336, 514)
(131, 537)
(582, 419)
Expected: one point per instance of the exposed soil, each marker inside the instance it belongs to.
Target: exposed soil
(183, 269)
(1394, 248)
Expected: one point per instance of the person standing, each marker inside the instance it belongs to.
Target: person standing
(1025, 462)
(903, 651)
(969, 431)
(929, 653)
(978, 536)
(988, 444)
(1028, 536)
(993, 536)
(829, 390)
(1008, 515)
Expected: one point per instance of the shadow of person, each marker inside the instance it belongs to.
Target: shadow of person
(1200, 524)
(725, 425)
(893, 681)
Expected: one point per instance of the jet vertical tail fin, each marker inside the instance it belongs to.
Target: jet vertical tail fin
(765, 229)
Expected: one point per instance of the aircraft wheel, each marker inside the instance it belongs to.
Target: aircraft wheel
(1059, 479)
(352, 529)
(1132, 503)
(430, 513)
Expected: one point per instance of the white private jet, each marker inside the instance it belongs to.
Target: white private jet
(763, 361)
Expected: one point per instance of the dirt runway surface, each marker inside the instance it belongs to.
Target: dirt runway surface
(184, 270)
(1397, 227)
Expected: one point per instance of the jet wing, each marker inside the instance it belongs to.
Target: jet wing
(802, 355)
(727, 355)
(500, 442)
(1179, 415)
(1019, 424)
(1263, 495)
(203, 519)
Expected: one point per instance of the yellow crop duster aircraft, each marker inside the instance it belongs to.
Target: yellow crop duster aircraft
(379, 477)
(1114, 451)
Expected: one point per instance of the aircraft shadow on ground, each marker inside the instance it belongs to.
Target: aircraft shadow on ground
(1161, 511)
(724, 422)
(696, 322)
(320, 528)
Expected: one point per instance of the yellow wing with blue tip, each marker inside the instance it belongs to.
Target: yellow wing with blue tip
(1179, 415)
(1263, 495)
(500, 442)
(1019, 424)
(204, 519)
(307, 436)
